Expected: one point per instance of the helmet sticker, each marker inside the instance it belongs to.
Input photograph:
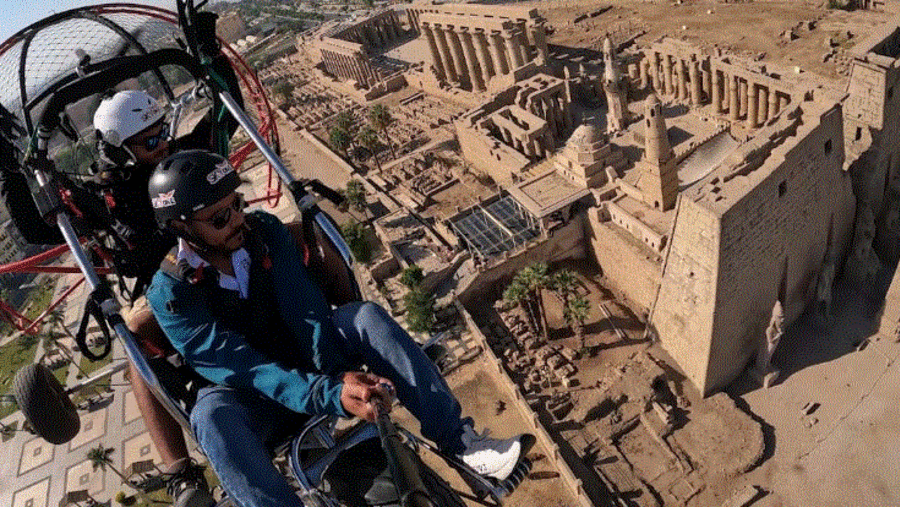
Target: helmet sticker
(219, 172)
(150, 112)
(164, 199)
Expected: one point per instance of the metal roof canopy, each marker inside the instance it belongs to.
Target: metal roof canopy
(495, 227)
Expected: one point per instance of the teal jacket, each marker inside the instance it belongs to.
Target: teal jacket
(226, 357)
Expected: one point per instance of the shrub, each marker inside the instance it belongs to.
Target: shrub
(412, 276)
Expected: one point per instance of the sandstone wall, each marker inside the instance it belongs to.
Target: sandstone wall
(682, 315)
(628, 266)
(772, 242)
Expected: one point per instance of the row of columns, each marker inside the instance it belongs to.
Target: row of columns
(378, 32)
(538, 148)
(742, 98)
(555, 111)
(472, 55)
(347, 67)
(671, 75)
(685, 80)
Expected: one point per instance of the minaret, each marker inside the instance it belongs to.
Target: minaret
(659, 180)
(615, 91)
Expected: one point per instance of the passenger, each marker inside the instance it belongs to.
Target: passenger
(133, 137)
(236, 301)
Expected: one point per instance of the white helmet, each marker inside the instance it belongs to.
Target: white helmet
(125, 114)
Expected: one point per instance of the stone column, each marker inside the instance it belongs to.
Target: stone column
(716, 91)
(444, 49)
(550, 115)
(537, 108)
(539, 147)
(459, 58)
(528, 148)
(696, 85)
(515, 50)
(471, 61)
(707, 79)
(763, 104)
(654, 72)
(566, 113)
(507, 136)
(435, 55)
(644, 72)
(681, 80)
(743, 100)
(484, 56)
(667, 74)
(773, 103)
(734, 106)
(783, 101)
(499, 54)
(752, 106)
(539, 35)
(549, 141)
(392, 27)
(524, 46)
(348, 69)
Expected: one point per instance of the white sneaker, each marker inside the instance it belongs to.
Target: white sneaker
(490, 457)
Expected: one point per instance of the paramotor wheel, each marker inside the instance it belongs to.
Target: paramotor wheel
(45, 404)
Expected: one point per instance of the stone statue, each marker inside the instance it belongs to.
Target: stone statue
(863, 264)
(775, 330)
(823, 290)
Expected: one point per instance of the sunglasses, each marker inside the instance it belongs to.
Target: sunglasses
(152, 141)
(222, 217)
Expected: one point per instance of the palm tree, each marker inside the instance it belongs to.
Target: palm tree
(369, 138)
(576, 313)
(344, 120)
(356, 195)
(340, 139)
(380, 118)
(563, 282)
(535, 279)
(99, 458)
(517, 293)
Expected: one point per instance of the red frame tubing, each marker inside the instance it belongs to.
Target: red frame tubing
(267, 128)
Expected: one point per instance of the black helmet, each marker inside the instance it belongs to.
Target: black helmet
(189, 181)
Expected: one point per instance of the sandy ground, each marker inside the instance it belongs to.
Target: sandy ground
(726, 26)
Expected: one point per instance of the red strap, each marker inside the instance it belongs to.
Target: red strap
(66, 196)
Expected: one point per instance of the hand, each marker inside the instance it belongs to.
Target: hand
(362, 391)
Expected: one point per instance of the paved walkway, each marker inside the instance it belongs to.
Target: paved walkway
(846, 451)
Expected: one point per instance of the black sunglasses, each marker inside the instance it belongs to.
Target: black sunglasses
(222, 217)
(150, 143)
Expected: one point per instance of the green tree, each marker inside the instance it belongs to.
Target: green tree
(412, 276)
(355, 235)
(355, 193)
(517, 293)
(339, 139)
(419, 310)
(380, 118)
(344, 120)
(576, 313)
(563, 282)
(283, 89)
(99, 458)
(368, 138)
(535, 280)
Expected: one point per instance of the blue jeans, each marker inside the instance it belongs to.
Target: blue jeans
(236, 428)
